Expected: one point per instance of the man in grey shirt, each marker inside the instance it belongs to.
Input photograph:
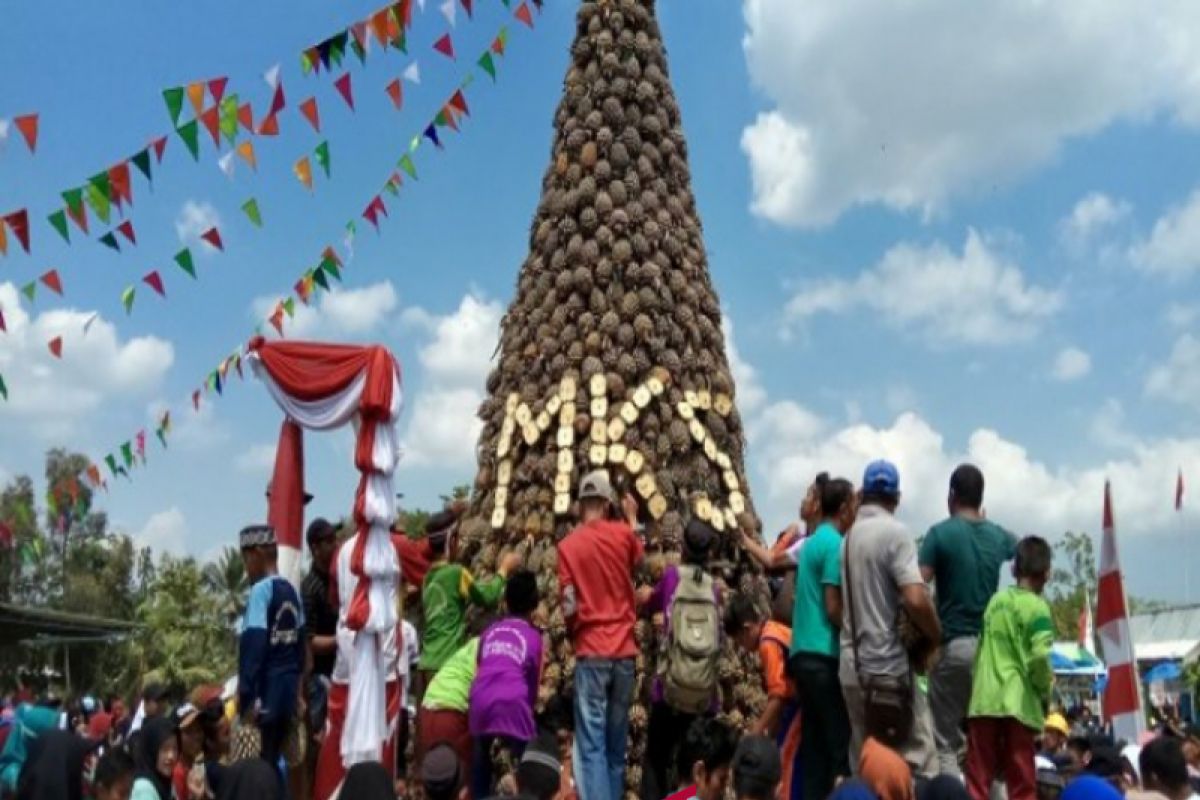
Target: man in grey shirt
(879, 569)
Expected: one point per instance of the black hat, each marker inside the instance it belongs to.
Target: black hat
(698, 538)
(756, 764)
(1105, 762)
(320, 529)
(256, 536)
(440, 771)
(155, 692)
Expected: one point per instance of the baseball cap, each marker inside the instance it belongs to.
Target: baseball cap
(319, 530)
(185, 715)
(881, 477)
(440, 771)
(1058, 723)
(597, 485)
(756, 763)
(698, 538)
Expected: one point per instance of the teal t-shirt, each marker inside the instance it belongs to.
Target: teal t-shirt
(818, 564)
(966, 557)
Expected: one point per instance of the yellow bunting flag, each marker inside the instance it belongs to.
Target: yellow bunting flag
(303, 171)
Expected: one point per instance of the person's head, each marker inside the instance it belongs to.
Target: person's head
(539, 774)
(881, 485)
(259, 553)
(838, 505)
(705, 756)
(1105, 762)
(744, 622)
(154, 700)
(368, 780)
(596, 496)
(1055, 733)
(1079, 750)
(521, 593)
(699, 539)
(322, 542)
(1164, 768)
(756, 769)
(1191, 746)
(1031, 567)
(216, 730)
(191, 732)
(810, 506)
(113, 777)
(966, 489)
(441, 773)
(158, 749)
(442, 532)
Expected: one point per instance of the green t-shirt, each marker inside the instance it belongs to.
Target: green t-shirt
(818, 564)
(450, 689)
(1012, 675)
(447, 591)
(965, 556)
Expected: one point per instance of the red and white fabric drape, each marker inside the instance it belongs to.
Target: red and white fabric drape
(321, 387)
(1122, 693)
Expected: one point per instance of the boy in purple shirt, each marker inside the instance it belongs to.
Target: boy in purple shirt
(506, 682)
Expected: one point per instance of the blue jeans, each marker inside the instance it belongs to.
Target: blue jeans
(603, 692)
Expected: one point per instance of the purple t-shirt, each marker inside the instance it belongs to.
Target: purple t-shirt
(506, 683)
(660, 603)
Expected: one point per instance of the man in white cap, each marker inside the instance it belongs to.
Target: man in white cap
(596, 562)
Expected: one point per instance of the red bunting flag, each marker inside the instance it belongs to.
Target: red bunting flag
(18, 223)
(342, 84)
(28, 126)
(309, 109)
(1179, 490)
(373, 210)
(525, 15)
(458, 101)
(395, 91)
(217, 88)
(196, 400)
(55, 346)
(213, 237)
(245, 117)
(467, 7)
(303, 290)
(379, 26)
(278, 101)
(52, 282)
(269, 126)
(3, 327)
(126, 230)
(160, 144)
(212, 123)
(154, 281)
(445, 46)
(119, 184)
(276, 319)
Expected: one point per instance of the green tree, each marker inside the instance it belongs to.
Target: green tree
(1072, 583)
(226, 579)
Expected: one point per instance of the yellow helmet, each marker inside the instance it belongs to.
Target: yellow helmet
(1057, 722)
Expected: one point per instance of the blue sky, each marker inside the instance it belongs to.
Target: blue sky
(925, 248)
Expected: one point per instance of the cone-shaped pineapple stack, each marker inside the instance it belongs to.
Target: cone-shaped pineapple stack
(612, 352)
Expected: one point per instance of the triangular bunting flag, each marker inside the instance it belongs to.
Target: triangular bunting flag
(395, 90)
(55, 346)
(269, 126)
(162, 437)
(318, 277)
(448, 113)
(344, 88)
(52, 282)
(126, 230)
(448, 10)
(276, 320)
(93, 473)
(3, 327)
(216, 87)
(18, 223)
(190, 133)
(184, 259)
(112, 464)
(141, 160)
(432, 135)
(303, 289)
(211, 119)
(445, 46)
(127, 299)
(303, 171)
(245, 116)
(174, 99)
(30, 290)
(406, 164)
(309, 109)
(98, 200)
(120, 186)
(329, 254)
(289, 307)
(321, 154)
(196, 400)
(225, 162)
(160, 145)
(3, 388)
(127, 453)
(467, 6)
(28, 126)
(271, 76)
(109, 240)
(140, 445)
(487, 64)
(246, 151)
(379, 26)
(524, 14)
(59, 220)
(252, 212)
(154, 281)
(459, 102)
(229, 118)
(195, 93)
(412, 73)
(331, 269)
(278, 101)
(213, 237)
(500, 43)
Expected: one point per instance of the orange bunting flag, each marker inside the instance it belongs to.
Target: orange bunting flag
(395, 90)
(525, 15)
(212, 123)
(154, 281)
(276, 320)
(28, 126)
(246, 151)
(213, 237)
(269, 126)
(93, 474)
(119, 184)
(445, 46)
(195, 93)
(303, 171)
(245, 117)
(217, 87)
(342, 84)
(126, 230)
(52, 282)
(55, 346)
(309, 109)
(303, 290)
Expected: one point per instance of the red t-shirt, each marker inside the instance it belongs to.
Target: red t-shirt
(595, 577)
(415, 557)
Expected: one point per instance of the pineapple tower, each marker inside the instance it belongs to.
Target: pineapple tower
(612, 354)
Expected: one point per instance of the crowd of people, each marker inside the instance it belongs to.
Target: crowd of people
(894, 670)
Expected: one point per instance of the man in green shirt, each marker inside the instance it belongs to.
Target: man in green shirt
(962, 556)
(443, 715)
(1013, 680)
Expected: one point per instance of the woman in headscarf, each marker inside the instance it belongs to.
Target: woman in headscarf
(29, 722)
(54, 769)
(252, 779)
(156, 754)
(367, 781)
(885, 772)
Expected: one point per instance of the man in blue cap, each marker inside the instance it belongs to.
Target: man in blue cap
(880, 579)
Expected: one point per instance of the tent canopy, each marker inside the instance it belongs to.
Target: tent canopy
(1068, 658)
(34, 626)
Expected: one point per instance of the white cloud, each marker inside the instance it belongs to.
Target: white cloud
(165, 532)
(909, 105)
(1178, 379)
(95, 367)
(1071, 364)
(193, 219)
(258, 459)
(750, 392)
(344, 313)
(442, 428)
(977, 297)
(1091, 216)
(1173, 248)
(1182, 315)
(1108, 427)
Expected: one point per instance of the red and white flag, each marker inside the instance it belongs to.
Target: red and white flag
(1179, 491)
(1122, 699)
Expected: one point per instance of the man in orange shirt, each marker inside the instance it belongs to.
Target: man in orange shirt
(753, 631)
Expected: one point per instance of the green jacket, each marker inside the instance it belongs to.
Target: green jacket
(1013, 676)
(448, 590)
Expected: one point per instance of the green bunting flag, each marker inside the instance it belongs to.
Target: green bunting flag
(59, 220)
(101, 181)
(112, 464)
(127, 453)
(74, 200)
(392, 187)
(162, 436)
(331, 268)
(289, 306)
(406, 164)
(98, 200)
(251, 209)
(127, 299)
(29, 290)
(141, 160)
(319, 278)
(3, 388)
(110, 240)
(229, 119)
(184, 259)
(190, 133)
(322, 156)
(174, 100)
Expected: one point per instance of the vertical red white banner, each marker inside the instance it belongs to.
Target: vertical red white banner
(1122, 696)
